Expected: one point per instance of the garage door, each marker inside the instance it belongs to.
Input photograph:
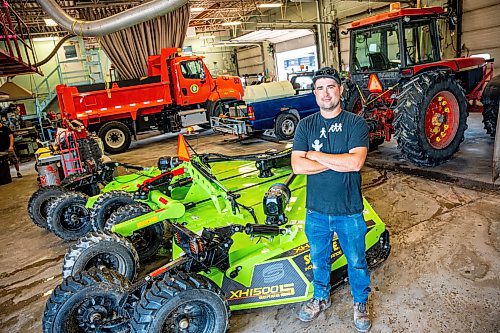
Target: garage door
(481, 28)
(250, 60)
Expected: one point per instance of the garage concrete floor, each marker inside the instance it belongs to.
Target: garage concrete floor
(443, 274)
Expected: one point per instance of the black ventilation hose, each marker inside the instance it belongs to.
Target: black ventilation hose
(54, 51)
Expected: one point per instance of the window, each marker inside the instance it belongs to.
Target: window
(192, 69)
(376, 49)
(418, 43)
(70, 52)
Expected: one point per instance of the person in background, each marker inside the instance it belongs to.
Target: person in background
(7, 146)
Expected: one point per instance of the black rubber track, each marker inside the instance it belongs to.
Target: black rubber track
(66, 309)
(67, 216)
(410, 112)
(39, 202)
(161, 302)
(146, 241)
(102, 249)
(105, 205)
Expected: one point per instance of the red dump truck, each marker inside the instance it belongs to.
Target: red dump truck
(178, 92)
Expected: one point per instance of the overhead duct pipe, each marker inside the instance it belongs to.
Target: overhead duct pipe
(108, 25)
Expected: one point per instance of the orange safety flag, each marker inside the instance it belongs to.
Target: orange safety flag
(182, 149)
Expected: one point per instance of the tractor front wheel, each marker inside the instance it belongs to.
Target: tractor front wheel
(101, 249)
(88, 302)
(67, 216)
(40, 201)
(146, 241)
(431, 118)
(106, 205)
(181, 303)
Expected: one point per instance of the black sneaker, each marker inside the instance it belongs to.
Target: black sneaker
(362, 320)
(19, 175)
(313, 308)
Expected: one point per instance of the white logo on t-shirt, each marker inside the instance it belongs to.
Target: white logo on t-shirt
(337, 127)
(322, 133)
(317, 145)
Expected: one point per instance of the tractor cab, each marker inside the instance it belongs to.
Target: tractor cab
(401, 85)
(391, 44)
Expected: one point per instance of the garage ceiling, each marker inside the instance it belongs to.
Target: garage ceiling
(210, 18)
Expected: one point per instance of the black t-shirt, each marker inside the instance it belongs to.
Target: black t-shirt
(5, 132)
(332, 192)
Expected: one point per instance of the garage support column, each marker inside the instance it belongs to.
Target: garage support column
(269, 63)
(326, 13)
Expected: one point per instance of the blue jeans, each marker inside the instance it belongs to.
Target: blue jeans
(351, 231)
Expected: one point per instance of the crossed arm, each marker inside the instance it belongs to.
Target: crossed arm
(313, 162)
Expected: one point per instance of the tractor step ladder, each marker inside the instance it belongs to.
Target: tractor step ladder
(17, 55)
(70, 154)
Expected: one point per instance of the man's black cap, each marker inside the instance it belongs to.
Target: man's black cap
(326, 73)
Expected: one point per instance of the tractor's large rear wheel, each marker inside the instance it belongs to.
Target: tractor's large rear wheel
(88, 302)
(490, 98)
(351, 100)
(431, 118)
(182, 303)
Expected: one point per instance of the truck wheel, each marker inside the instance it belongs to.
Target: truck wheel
(146, 241)
(71, 182)
(181, 303)
(115, 136)
(40, 201)
(107, 204)
(285, 126)
(431, 116)
(67, 216)
(88, 302)
(99, 249)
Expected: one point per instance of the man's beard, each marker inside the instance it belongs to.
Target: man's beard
(333, 107)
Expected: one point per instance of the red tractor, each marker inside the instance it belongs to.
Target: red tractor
(401, 86)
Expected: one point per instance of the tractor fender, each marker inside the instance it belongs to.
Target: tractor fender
(492, 91)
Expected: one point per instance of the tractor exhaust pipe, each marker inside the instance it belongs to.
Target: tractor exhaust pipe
(108, 25)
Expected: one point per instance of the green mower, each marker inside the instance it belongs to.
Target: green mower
(238, 243)
(70, 214)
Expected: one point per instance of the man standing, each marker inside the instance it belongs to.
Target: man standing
(7, 146)
(330, 147)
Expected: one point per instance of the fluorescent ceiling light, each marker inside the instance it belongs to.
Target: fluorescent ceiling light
(50, 22)
(269, 5)
(231, 23)
(44, 39)
(197, 9)
(207, 37)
